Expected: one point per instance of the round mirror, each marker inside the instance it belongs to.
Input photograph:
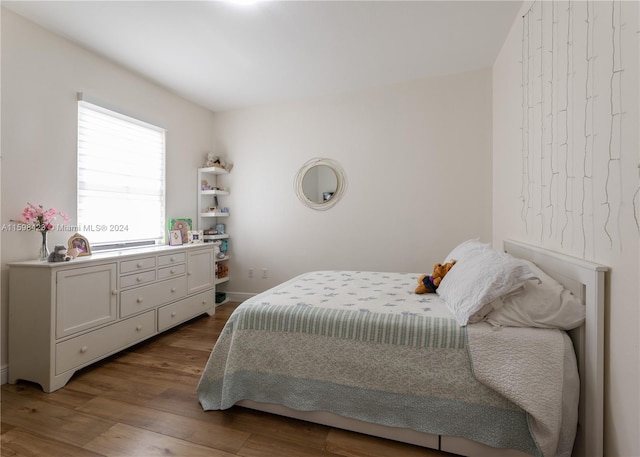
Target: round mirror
(320, 183)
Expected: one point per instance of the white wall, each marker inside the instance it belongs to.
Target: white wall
(418, 162)
(565, 169)
(41, 74)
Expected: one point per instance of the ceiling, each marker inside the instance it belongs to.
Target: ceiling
(224, 56)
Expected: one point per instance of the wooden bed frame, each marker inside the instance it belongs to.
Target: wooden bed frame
(587, 281)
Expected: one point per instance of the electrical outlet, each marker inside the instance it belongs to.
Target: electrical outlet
(265, 273)
(250, 273)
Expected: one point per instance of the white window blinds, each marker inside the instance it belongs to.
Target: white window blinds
(121, 179)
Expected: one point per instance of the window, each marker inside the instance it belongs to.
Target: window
(121, 179)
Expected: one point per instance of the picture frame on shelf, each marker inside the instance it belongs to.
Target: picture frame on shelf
(195, 237)
(183, 224)
(79, 244)
(175, 238)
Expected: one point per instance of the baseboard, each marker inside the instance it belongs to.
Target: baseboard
(4, 374)
(239, 296)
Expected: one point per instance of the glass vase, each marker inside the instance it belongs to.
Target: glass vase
(44, 249)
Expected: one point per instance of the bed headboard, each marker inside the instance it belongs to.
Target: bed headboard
(587, 281)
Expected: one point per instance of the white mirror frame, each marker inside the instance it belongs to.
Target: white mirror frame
(341, 184)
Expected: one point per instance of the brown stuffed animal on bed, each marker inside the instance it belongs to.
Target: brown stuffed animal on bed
(429, 284)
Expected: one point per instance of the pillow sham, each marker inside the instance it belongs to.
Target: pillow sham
(544, 303)
(479, 277)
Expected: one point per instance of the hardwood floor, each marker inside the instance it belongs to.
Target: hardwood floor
(142, 403)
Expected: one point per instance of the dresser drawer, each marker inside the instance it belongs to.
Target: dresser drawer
(170, 259)
(129, 266)
(175, 313)
(91, 346)
(137, 279)
(170, 272)
(135, 300)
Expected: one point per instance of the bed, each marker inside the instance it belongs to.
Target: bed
(361, 351)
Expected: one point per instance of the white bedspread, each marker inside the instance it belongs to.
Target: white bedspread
(506, 367)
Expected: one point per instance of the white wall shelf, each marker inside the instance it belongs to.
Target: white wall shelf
(224, 236)
(208, 199)
(214, 192)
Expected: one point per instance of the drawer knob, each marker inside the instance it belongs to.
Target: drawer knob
(173, 289)
(172, 271)
(173, 314)
(83, 349)
(204, 302)
(114, 292)
(139, 300)
(172, 259)
(138, 328)
(139, 264)
(138, 279)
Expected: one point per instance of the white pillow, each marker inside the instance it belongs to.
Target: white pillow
(479, 277)
(465, 248)
(544, 304)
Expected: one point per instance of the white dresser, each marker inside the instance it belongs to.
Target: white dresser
(64, 316)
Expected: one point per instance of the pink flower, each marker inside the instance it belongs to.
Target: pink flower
(37, 218)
